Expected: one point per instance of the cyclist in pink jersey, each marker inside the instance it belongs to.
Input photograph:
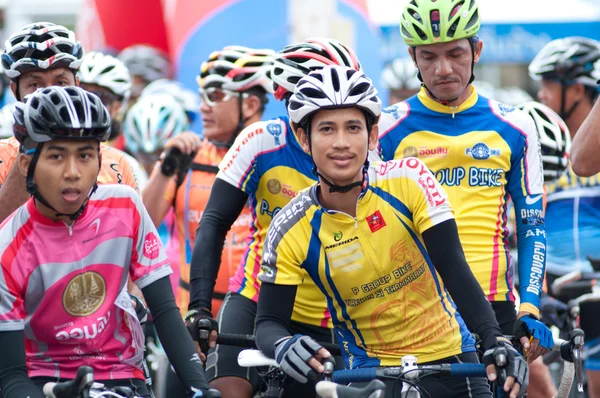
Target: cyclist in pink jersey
(66, 255)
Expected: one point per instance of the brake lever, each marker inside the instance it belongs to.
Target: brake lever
(577, 342)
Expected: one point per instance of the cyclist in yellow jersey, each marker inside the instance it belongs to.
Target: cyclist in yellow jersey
(381, 244)
(482, 152)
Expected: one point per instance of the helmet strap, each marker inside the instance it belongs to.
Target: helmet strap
(32, 189)
(565, 114)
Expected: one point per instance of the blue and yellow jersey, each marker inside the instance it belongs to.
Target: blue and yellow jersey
(572, 222)
(483, 153)
(268, 164)
(384, 295)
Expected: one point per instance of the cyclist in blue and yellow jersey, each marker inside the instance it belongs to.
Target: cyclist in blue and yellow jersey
(569, 69)
(482, 152)
(381, 243)
(265, 168)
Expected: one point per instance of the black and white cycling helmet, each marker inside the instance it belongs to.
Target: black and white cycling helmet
(62, 113)
(106, 71)
(554, 138)
(297, 60)
(401, 74)
(146, 61)
(331, 87)
(41, 45)
(58, 113)
(569, 60)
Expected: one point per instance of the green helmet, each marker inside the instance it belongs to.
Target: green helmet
(438, 21)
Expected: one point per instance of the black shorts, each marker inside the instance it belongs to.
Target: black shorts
(138, 386)
(506, 315)
(445, 386)
(237, 315)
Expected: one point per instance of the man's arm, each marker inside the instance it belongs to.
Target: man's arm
(446, 253)
(275, 306)
(225, 204)
(586, 143)
(14, 381)
(154, 195)
(12, 192)
(173, 334)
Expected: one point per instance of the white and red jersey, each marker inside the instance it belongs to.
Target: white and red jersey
(66, 286)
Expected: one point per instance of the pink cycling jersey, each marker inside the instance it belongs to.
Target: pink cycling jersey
(66, 286)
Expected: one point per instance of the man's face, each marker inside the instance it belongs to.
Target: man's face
(446, 67)
(111, 101)
(338, 143)
(31, 81)
(220, 114)
(65, 173)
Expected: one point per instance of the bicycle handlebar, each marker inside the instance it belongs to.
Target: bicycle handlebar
(78, 387)
(328, 389)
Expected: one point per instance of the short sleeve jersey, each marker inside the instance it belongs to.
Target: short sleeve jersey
(66, 286)
(384, 294)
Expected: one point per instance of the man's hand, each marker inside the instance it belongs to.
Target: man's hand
(534, 336)
(202, 319)
(504, 356)
(187, 142)
(300, 357)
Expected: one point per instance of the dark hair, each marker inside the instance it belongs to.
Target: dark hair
(259, 92)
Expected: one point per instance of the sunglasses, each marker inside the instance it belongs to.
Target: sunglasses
(213, 95)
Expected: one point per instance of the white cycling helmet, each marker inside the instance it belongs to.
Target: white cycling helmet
(146, 61)
(333, 87)
(513, 96)
(189, 100)
(41, 45)
(152, 121)
(106, 71)
(7, 121)
(297, 60)
(569, 60)
(554, 137)
(401, 74)
(237, 68)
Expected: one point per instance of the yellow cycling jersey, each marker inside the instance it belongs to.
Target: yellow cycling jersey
(384, 295)
(483, 153)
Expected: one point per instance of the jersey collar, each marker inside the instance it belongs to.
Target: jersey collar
(437, 107)
(42, 219)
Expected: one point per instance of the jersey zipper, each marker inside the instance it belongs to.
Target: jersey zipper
(70, 227)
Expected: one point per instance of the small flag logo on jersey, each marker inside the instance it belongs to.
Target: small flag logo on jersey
(376, 221)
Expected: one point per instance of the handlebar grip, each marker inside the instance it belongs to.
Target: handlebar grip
(48, 390)
(467, 370)
(354, 375)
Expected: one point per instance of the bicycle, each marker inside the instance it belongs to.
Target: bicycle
(410, 373)
(83, 386)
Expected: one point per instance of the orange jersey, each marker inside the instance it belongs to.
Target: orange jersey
(190, 200)
(115, 168)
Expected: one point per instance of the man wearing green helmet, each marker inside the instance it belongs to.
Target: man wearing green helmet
(482, 152)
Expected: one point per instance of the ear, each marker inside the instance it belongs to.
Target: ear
(99, 159)
(23, 162)
(77, 81)
(411, 52)
(478, 48)
(303, 139)
(373, 137)
(13, 88)
(577, 91)
(250, 106)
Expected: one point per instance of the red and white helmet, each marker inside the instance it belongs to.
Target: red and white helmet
(297, 60)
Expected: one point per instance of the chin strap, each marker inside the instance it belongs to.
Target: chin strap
(343, 188)
(565, 114)
(32, 189)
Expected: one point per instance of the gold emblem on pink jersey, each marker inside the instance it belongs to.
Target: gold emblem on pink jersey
(84, 294)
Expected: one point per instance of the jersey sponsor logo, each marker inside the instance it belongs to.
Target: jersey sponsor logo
(437, 152)
(87, 332)
(151, 246)
(536, 232)
(337, 236)
(484, 177)
(532, 217)
(95, 225)
(532, 199)
(450, 176)
(481, 151)
(274, 128)
(84, 294)
(536, 276)
(265, 208)
(404, 251)
(376, 221)
(274, 186)
(268, 271)
(115, 167)
(233, 153)
(288, 192)
(504, 108)
(392, 110)
(410, 152)
(346, 255)
(333, 246)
